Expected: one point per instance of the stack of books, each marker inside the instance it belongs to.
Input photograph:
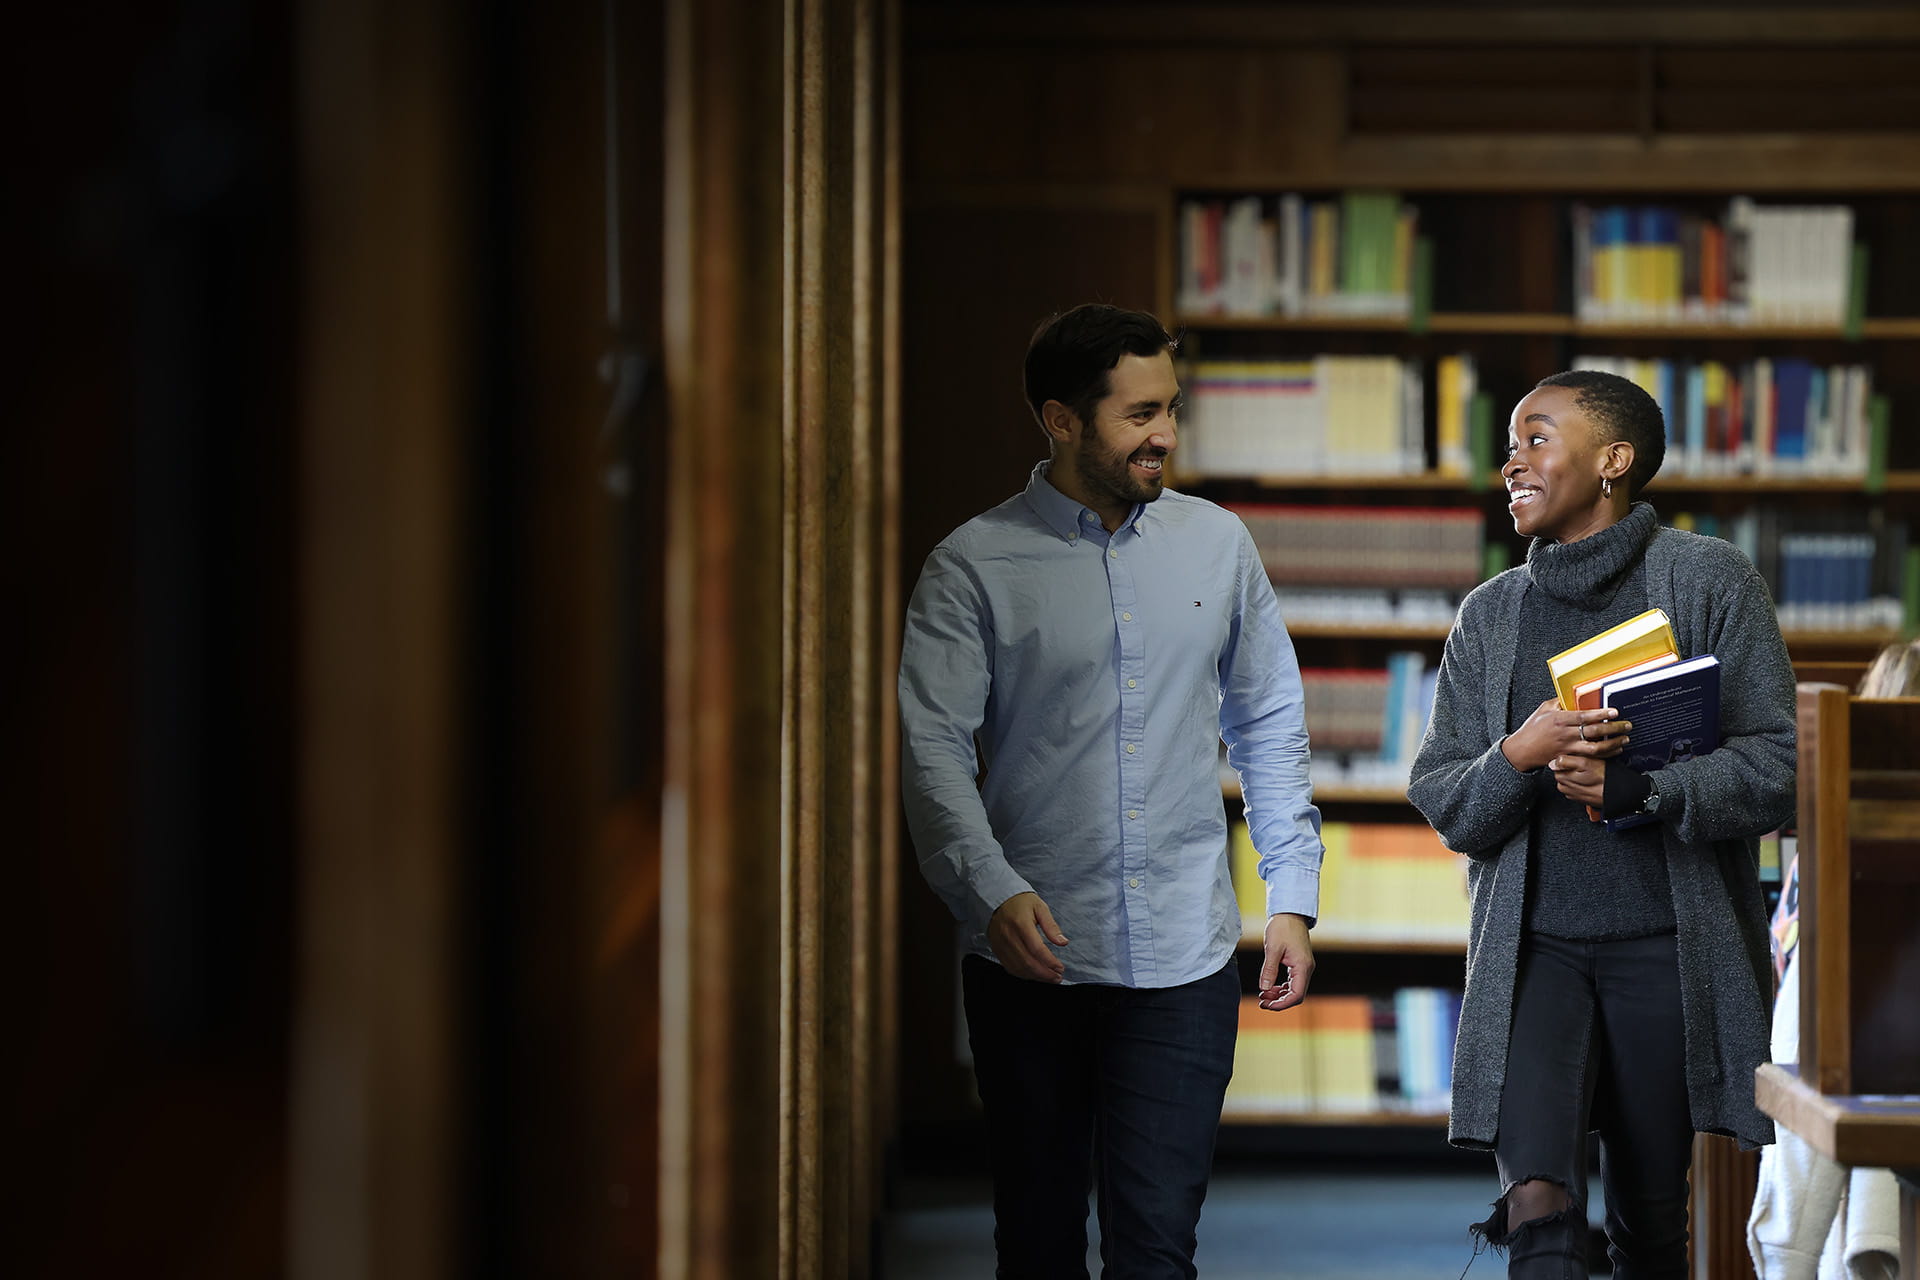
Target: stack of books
(1635, 668)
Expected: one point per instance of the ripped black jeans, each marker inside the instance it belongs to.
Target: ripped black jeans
(1598, 1043)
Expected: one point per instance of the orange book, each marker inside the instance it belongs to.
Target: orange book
(1586, 694)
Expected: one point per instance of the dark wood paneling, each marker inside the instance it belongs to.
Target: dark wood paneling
(977, 281)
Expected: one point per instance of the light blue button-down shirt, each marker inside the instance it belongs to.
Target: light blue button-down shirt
(1098, 674)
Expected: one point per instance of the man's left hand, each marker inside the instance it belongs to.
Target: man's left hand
(1288, 966)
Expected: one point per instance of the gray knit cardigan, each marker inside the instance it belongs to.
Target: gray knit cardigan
(1481, 807)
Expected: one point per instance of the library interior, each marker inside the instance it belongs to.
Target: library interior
(478, 459)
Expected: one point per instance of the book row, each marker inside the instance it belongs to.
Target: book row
(1756, 264)
(1358, 253)
(1847, 568)
(1780, 416)
(1347, 1054)
(1365, 724)
(1386, 882)
(1366, 607)
(1289, 255)
(1367, 416)
(1339, 415)
(1413, 547)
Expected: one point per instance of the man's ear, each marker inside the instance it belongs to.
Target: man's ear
(1061, 424)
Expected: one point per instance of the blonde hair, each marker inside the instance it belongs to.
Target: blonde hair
(1895, 673)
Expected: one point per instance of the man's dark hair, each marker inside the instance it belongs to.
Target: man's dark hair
(1072, 353)
(1620, 409)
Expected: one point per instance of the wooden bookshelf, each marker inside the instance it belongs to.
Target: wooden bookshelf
(1369, 630)
(1023, 209)
(1552, 323)
(1665, 482)
(1240, 1114)
(1365, 946)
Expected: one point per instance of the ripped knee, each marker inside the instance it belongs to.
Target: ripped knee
(1530, 1201)
(1536, 1198)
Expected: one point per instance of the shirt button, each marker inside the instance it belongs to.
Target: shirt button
(1132, 814)
(1131, 748)
(1126, 617)
(1133, 684)
(1134, 883)
(1112, 554)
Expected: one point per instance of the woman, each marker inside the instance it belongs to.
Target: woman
(1616, 981)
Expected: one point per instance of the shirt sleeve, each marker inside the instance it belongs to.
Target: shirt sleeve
(1263, 722)
(946, 674)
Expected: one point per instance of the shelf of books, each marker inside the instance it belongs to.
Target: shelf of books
(1349, 358)
(1346, 1060)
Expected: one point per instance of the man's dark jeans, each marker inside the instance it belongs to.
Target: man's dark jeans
(1118, 1087)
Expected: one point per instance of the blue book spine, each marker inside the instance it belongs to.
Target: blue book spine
(1792, 381)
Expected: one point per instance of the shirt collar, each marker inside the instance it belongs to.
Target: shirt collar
(1061, 513)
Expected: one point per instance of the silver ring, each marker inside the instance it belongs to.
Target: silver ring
(1583, 732)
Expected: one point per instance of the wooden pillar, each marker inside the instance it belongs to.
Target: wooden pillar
(374, 1081)
(780, 774)
(1723, 1181)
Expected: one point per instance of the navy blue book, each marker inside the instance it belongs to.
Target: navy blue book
(1675, 712)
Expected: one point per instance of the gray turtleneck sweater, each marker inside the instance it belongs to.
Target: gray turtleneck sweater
(1586, 882)
(1720, 803)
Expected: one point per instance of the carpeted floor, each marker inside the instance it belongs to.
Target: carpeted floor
(1259, 1224)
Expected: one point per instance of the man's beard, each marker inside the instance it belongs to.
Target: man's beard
(1112, 474)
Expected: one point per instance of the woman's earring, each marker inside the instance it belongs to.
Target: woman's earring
(1606, 487)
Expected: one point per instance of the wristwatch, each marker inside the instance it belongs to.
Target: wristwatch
(1651, 805)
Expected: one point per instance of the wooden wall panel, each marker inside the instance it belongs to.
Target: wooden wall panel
(1260, 98)
(781, 401)
(375, 1083)
(1106, 115)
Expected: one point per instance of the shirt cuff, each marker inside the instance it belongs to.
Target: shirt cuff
(1623, 791)
(1295, 890)
(991, 887)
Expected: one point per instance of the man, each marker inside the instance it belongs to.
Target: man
(1097, 636)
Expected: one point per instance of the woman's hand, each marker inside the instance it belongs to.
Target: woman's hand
(1571, 743)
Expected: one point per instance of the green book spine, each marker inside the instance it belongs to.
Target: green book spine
(1420, 305)
(1480, 442)
(1910, 593)
(1494, 561)
(1876, 483)
(1857, 294)
(1353, 241)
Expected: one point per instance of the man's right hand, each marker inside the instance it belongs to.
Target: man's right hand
(1019, 933)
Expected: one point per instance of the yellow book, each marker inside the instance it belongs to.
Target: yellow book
(1271, 1067)
(1338, 907)
(1340, 1033)
(1643, 636)
(1249, 890)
